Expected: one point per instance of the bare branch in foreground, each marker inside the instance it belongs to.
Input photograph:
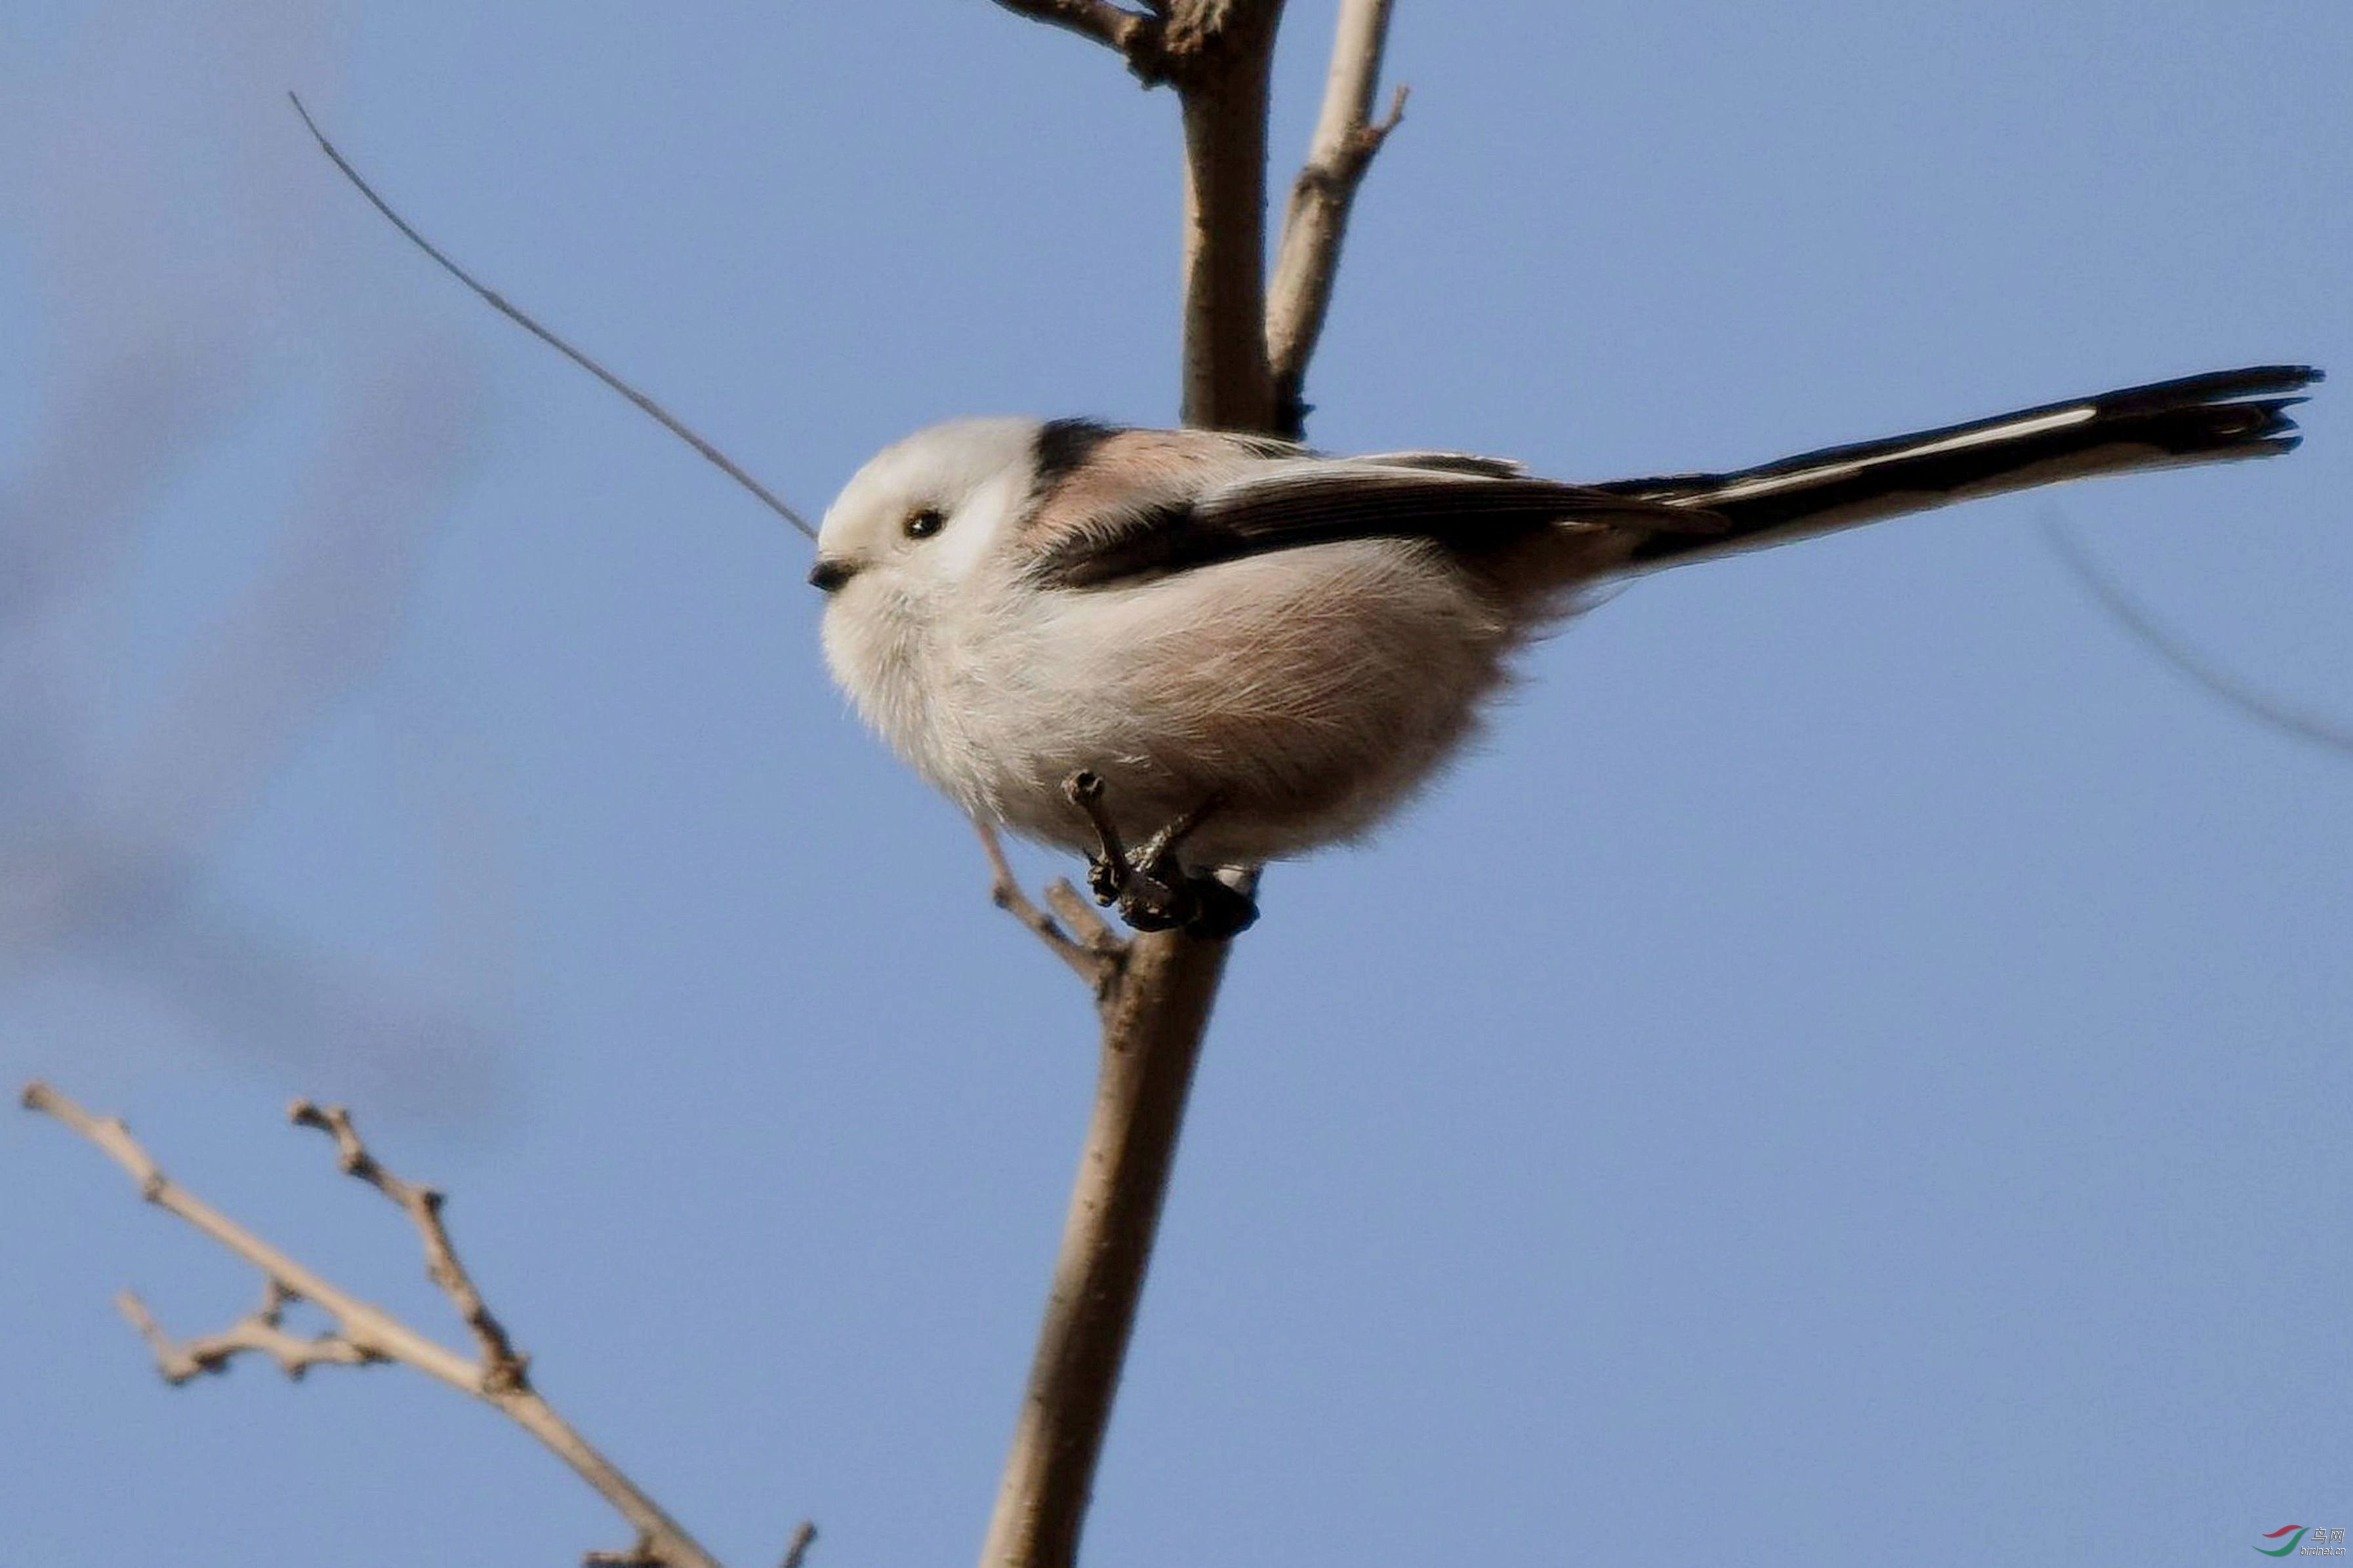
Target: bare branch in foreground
(498, 302)
(363, 1332)
(1080, 937)
(1307, 262)
(261, 1332)
(503, 1366)
(2244, 695)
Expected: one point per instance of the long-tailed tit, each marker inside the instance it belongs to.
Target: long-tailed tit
(1244, 649)
(1252, 649)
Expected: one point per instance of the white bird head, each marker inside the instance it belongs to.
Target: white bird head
(911, 522)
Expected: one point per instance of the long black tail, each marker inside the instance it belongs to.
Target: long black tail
(2215, 417)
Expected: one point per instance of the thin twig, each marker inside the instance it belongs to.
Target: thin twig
(367, 1332)
(1090, 947)
(639, 1553)
(261, 1332)
(498, 302)
(1081, 919)
(797, 1549)
(503, 1366)
(1307, 262)
(2244, 695)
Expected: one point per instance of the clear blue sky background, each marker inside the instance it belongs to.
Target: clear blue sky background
(1856, 1068)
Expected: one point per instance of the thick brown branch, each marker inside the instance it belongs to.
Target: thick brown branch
(1151, 1040)
(366, 1333)
(1228, 385)
(1219, 55)
(1308, 262)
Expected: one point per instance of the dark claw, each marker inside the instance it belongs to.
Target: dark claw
(1105, 877)
(1149, 886)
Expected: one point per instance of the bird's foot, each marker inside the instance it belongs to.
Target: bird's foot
(1148, 884)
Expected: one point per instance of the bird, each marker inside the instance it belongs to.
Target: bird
(1187, 651)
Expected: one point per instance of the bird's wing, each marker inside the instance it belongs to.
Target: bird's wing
(1229, 501)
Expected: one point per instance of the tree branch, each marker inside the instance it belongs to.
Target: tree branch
(261, 1332)
(1151, 1042)
(1136, 37)
(1079, 937)
(1308, 261)
(797, 1549)
(363, 1332)
(1218, 53)
(503, 1366)
(1230, 51)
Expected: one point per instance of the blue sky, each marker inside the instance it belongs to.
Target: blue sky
(1856, 1066)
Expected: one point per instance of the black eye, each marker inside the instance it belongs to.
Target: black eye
(924, 522)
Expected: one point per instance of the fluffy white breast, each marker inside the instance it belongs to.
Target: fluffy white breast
(894, 631)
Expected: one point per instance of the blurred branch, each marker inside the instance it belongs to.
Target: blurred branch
(363, 1334)
(498, 302)
(2244, 695)
(797, 1549)
(502, 1367)
(1307, 262)
(261, 1331)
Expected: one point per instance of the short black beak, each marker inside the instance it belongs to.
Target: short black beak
(827, 576)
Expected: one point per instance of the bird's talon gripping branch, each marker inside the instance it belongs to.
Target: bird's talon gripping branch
(1107, 867)
(1149, 885)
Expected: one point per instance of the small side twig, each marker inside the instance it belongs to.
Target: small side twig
(1139, 37)
(1307, 261)
(363, 1332)
(261, 1332)
(1073, 932)
(503, 1367)
(797, 1549)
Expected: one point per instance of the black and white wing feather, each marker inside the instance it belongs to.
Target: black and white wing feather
(1465, 503)
(1119, 505)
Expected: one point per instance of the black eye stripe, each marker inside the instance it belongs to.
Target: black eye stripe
(924, 522)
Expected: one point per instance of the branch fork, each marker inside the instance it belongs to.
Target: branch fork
(363, 1334)
(1072, 933)
(261, 1332)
